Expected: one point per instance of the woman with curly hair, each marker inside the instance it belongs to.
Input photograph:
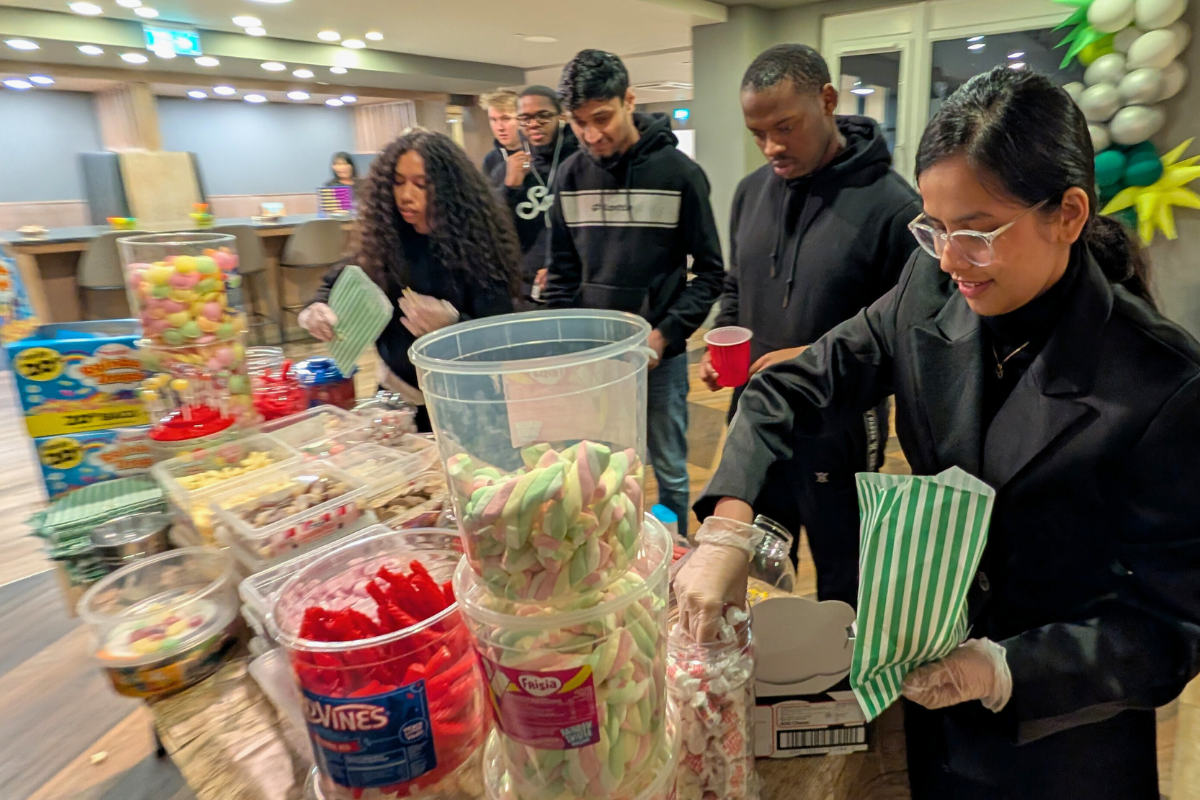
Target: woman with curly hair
(436, 240)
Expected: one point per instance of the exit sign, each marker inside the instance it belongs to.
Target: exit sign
(179, 41)
(682, 114)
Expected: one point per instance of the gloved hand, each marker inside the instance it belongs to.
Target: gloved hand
(423, 314)
(714, 576)
(318, 319)
(977, 670)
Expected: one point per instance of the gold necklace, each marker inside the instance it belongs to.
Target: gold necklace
(1000, 362)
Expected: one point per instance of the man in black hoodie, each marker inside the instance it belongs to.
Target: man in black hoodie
(528, 177)
(628, 211)
(817, 234)
(501, 107)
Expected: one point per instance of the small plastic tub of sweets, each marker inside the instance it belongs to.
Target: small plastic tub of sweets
(324, 384)
(388, 416)
(397, 482)
(165, 622)
(392, 695)
(579, 692)
(316, 431)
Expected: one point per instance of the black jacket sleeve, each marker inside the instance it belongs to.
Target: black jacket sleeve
(565, 270)
(327, 281)
(728, 315)
(691, 308)
(1140, 647)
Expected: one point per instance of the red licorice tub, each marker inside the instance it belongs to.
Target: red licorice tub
(390, 689)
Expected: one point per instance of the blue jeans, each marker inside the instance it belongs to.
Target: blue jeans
(666, 433)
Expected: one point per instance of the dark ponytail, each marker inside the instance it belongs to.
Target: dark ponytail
(1027, 137)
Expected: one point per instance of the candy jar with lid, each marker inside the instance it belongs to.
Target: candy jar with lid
(325, 384)
(772, 560)
(277, 393)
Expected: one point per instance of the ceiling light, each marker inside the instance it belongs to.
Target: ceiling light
(975, 39)
(302, 73)
(87, 9)
(146, 11)
(978, 46)
(329, 36)
(540, 39)
(134, 58)
(1016, 54)
(247, 22)
(22, 44)
(41, 80)
(338, 70)
(163, 52)
(1017, 65)
(254, 98)
(298, 95)
(354, 44)
(207, 61)
(129, 3)
(224, 91)
(91, 50)
(273, 66)
(20, 85)
(256, 31)
(375, 36)
(196, 94)
(349, 98)
(333, 101)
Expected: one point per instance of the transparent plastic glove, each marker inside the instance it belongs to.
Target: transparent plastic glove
(713, 579)
(318, 319)
(423, 314)
(977, 670)
(731, 532)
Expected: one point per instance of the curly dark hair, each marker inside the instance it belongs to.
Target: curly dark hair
(471, 233)
(592, 75)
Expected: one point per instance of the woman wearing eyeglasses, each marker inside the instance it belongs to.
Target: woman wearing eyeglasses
(1023, 346)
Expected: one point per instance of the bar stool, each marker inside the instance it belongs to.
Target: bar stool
(252, 266)
(316, 244)
(100, 268)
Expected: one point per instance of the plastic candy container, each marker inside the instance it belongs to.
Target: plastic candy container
(402, 491)
(319, 431)
(772, 561)
(165, 622)
(712, 685)
(579, 692)
(277, 393)
(392, 696)
(388, 416)
(324, 384)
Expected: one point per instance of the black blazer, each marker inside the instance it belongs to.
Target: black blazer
(1091, 575)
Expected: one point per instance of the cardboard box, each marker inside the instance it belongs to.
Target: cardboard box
(75, 460)
(809, 725)
(79, 376)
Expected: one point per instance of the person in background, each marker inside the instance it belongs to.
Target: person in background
(528, 179)
(501, 107)
(629, 209)
(344, 171)
(434, 237)
(816, 234)
(1023, 347)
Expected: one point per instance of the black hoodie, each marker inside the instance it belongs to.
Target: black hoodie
(529, 202)
(496, 156)
(808, 253)
(621, 233)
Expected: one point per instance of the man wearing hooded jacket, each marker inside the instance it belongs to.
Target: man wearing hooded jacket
(629, 209)
(817, 234)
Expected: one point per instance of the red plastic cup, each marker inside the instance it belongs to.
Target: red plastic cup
(729, 350)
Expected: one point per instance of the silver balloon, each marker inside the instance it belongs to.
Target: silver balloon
(1100, 138)
(1134, 124)
(1141, 86)
(1173, 78)
(1075, 90)
(1108, 68)
(1099, 102)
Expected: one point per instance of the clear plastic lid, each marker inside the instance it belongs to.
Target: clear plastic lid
(382, 469)
(314, 430)
(188, 480)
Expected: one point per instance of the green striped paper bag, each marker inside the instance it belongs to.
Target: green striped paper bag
(363, 311)
(920, 545)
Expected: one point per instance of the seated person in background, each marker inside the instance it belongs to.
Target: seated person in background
(436, 240)
(344, 171)
(502, 116)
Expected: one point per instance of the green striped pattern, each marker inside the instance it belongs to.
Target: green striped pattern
(362, 310)
(921, 541)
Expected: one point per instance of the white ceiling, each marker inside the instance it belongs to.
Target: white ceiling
(673, 66)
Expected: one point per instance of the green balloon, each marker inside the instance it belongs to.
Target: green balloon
(1127, 217)
(1141, 150)
(1110, 166)
(1143, 171)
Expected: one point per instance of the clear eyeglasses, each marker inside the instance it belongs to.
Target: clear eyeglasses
(974, 246)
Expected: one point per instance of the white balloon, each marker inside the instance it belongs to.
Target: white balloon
(1173, 79)
(1100, 138)
(1108, 68)
(1183, 34)
(1109, 16)
(1134, 124)
(1153, 49)
(1075, 90)
(1099, 102)
(1141, 86)
(1124, 38)
(1152, 14)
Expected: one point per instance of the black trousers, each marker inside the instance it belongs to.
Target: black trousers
(815, 489)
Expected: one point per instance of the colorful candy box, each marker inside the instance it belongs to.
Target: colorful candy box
(75, 460)
(79, 376)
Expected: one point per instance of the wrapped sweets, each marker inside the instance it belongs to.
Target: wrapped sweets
(712, 685)
(578, 693)
(565, 524)
(183, 299)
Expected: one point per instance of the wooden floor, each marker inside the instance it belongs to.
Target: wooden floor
(64, 734)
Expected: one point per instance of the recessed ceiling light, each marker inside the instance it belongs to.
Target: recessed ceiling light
(254, 98)
(375, 36)
(349, 98)
(862, 90)
(91, 50)
(333, 101)
(41, 80)
(247, 22)
(1016, 54)
(87, 9)
(225, 91)
(20, 85)
(146, 11)
(976, 46)
(22, 44)
(329, 36)
(338, 70)
(298, 95)
(1017, 65)
(256, 31)
(207, 61)
(302, 73)
(129, 3)
(134, 58)
(164, 53)
(273, 66)
(354, 44)
(540, 39)
(196, 94)
(975, 39)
